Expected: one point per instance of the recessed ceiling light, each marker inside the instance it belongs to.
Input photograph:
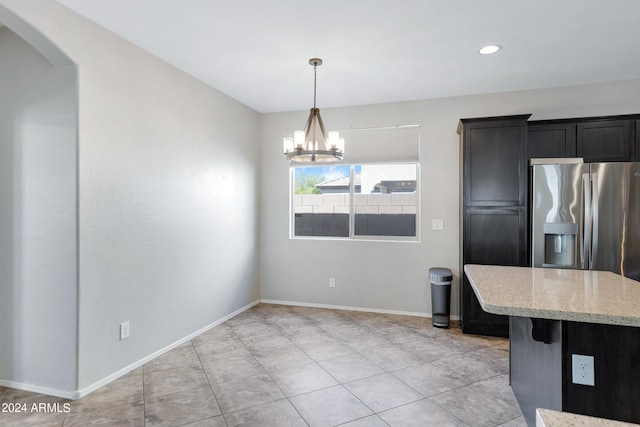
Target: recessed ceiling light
(489, 49)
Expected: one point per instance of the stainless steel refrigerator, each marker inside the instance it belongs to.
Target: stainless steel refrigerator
(586, 215)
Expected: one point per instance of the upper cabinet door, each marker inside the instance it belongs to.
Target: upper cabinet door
(606, 141)
(495, 161)
(552, 140)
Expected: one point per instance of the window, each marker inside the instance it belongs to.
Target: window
(373, 199)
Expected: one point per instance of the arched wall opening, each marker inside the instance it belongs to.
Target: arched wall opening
(38, 212)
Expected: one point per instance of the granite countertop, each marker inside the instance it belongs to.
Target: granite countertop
(557, 294)
(549, 418)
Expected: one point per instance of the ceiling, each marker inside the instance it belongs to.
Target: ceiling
(379, 51)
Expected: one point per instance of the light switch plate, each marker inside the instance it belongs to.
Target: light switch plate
(437, 224)
(124, 330)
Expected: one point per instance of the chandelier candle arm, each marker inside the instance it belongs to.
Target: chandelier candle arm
(314, 144)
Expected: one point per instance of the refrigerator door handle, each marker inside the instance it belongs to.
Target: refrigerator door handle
(594, 222)
(586, 221)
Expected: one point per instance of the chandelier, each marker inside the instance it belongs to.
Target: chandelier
(314, 144)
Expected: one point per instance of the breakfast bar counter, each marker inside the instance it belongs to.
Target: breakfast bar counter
(556, 315)
(559, 294)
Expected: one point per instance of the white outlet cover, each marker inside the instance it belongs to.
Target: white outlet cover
(582, 370)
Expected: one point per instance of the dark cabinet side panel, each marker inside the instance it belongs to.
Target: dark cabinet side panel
(535, 368)
(551, 140)
(606, 141)
(477, 321)
(494, 236)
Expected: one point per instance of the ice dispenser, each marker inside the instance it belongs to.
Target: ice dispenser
(560, 245)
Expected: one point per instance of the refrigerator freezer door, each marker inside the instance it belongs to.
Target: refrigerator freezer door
(616, 218)
(557, 222)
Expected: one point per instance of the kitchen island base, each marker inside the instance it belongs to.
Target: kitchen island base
(541, 372)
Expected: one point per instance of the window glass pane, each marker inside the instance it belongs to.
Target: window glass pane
(321, 201)
(386, 204)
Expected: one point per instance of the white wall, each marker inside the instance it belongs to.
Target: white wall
(387, 275)
(162, 158)
(38, 286)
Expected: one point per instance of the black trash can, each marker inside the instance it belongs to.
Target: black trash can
(440, 279)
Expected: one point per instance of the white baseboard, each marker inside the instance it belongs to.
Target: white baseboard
(37, 389)
(85, 391)
(342, 307)
(80, 393)
(73, 395)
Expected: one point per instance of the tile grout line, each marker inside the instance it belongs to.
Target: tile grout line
(342, 384)
(276, 384)
(340, 330)
(251, 352)
(208, 382)
(463, 386)
(328, 373)
(360, 353)
(315, 362)
(144, 399)
(385, 372)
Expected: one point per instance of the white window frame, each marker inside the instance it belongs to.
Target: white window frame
(352, 211)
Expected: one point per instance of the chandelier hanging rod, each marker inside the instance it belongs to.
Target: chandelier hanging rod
(315, 62)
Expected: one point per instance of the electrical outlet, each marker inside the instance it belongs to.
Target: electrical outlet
(124, 330)
(332, 282)
(437, 224)
(582, 370)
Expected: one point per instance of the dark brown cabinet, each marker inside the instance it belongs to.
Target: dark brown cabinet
(495, 234)
(494, 207)
(551, 140)
(606, 141)
(495, 154)
(491, 236)
(494, 163)
(595, 139)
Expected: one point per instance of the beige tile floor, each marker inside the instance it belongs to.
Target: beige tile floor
(276, 365)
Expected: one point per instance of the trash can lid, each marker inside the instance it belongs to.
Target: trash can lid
(438, 274)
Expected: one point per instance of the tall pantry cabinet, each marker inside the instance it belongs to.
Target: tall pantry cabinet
(494, 224)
